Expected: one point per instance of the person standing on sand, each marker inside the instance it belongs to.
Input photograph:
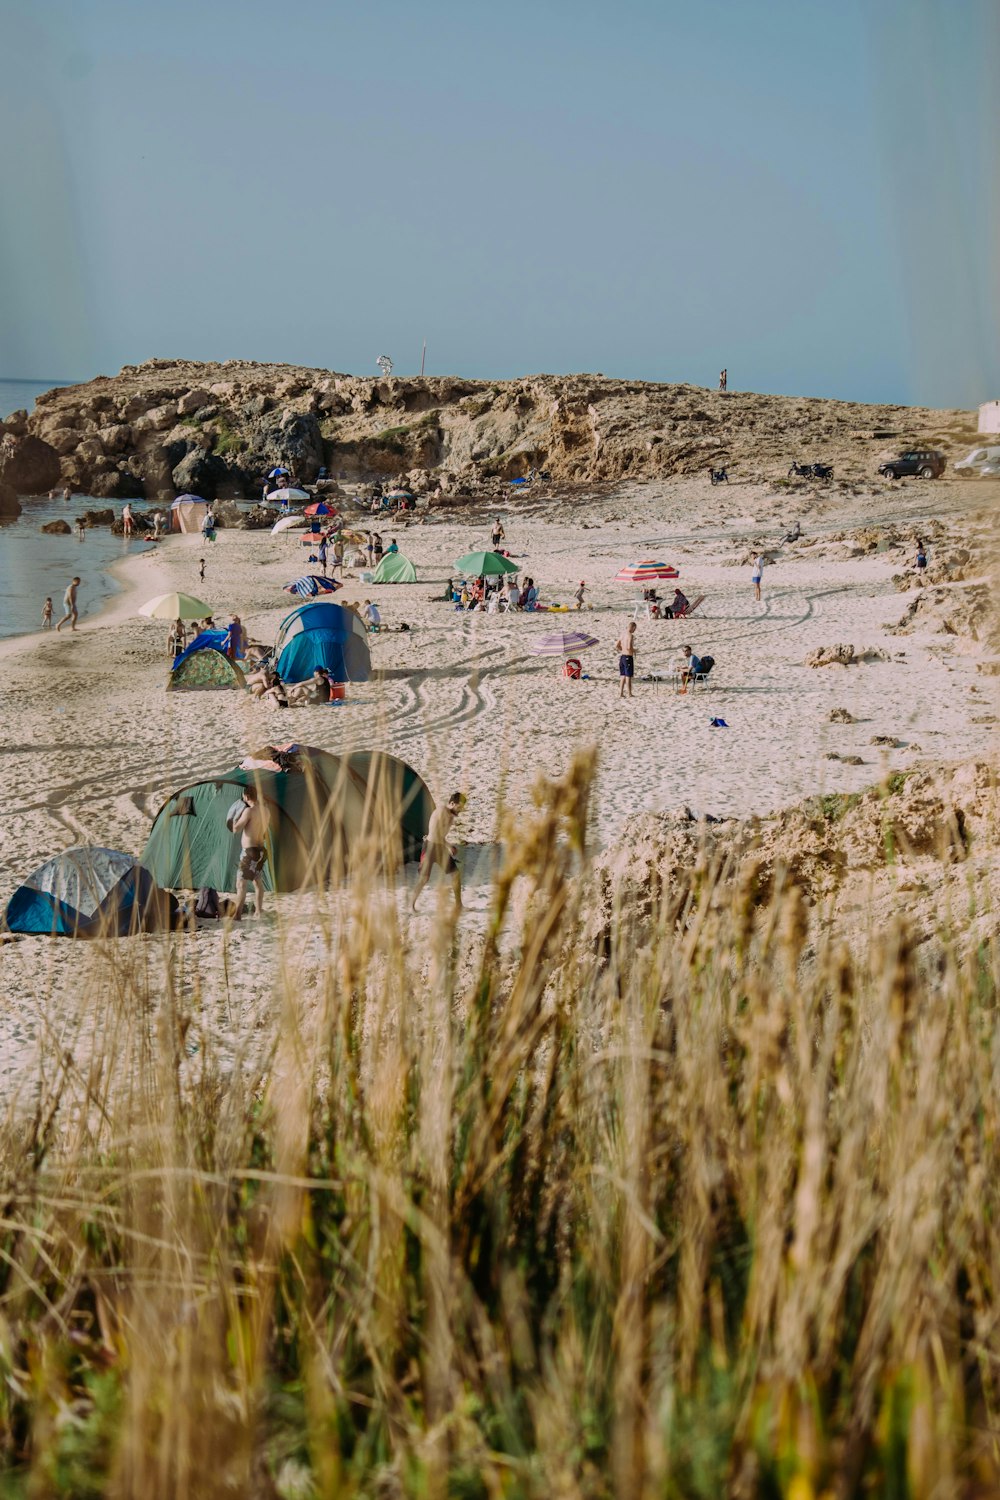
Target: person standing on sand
(47, 613)
(578, 596)
(252, 824)
(69, 604)
(201, 570)
(437, 849)
(234, 639)
(625, 646)
(498, 534)
(321, 554)
(127, 523)
(757, 574)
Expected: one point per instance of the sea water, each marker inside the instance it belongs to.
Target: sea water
(33, 563)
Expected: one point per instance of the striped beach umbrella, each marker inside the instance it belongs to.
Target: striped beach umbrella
(311, 585)
(563, 643)
(319, 509)
(287, 494)
(646, 571)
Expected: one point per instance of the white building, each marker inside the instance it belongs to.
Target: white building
(989, 416)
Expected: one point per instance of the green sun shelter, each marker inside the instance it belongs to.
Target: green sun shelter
(327, 811)
(395, 568)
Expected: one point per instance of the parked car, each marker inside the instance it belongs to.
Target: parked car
(978, 457)
(923, 461)
(990, 470)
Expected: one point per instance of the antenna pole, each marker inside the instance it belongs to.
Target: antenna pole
(423, 357)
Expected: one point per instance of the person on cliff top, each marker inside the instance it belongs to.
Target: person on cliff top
(47, 613)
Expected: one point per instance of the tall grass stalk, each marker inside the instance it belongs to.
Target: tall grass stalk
(689, 1210)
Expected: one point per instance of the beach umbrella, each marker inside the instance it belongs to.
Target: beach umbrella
(188, 500)
(288, 494)
(319, 509)
(276, 472)
(286, 523)
(563, 643)
(645, 572)
(175, 607)
(485, 564)
(399, 495)
(311, 585)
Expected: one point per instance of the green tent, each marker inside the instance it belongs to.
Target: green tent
(205, 668)
(395, 568)
(485, 565)
(325, 810)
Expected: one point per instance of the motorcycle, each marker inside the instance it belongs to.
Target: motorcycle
(811, 471)
(719, 476)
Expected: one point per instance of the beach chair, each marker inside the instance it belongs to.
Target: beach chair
(692, 605)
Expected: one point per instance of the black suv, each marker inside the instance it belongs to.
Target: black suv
(923, 461)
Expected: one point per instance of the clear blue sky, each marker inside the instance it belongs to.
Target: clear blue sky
(805, 191)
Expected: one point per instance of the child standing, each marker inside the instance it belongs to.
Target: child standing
(578, 596)
(47, 614)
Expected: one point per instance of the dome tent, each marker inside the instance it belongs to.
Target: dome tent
(88, 892)
(204, 668)
(394, 568)
(321, 809)
(321, 634)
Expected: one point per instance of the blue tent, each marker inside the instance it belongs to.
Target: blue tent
(345, 657)
(214, 638)
(88, 892)
(323, 635)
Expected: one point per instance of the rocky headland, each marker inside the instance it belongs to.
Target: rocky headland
(168, 426)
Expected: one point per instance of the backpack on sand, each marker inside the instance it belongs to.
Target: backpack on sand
(207, 903)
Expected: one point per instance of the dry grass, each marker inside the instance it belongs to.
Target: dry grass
(686, 1216)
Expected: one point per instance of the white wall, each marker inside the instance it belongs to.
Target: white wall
(989, 416)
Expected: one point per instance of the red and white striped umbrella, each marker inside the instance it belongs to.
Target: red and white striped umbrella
(563, 643)
(646, 571)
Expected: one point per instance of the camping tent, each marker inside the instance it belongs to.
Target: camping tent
(204, 667)
(321, 634)
(322, 810)
(88, 892)
(395, 568)
(187, 513)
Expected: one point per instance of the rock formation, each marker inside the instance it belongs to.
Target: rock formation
(217, 428)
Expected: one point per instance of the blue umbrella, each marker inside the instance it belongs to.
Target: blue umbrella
(309, 586)
(276, 472)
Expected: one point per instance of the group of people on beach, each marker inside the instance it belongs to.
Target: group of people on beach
(70, 605)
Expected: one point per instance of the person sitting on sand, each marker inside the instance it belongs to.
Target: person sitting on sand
(529, 599)
(252, 824)
(438, 850)
(260, 679)
(513, 593)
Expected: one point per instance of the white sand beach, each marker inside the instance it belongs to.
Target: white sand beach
(92, 744)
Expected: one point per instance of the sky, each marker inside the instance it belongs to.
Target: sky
(804, 191)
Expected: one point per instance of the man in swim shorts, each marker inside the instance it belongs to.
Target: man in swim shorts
(625, 646)
(69, 604)
(252, 824)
